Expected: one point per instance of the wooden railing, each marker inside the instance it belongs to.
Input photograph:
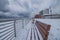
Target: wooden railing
(43, 29)
(7, 29)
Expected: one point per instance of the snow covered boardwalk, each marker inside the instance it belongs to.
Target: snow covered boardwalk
(28, 33)
(26, 30)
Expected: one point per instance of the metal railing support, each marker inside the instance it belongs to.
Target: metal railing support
(15, 27)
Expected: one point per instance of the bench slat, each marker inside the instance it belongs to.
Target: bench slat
(43, 29)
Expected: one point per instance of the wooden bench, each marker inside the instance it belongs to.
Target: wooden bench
(43, 29)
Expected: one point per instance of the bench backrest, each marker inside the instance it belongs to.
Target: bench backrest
(43, 29)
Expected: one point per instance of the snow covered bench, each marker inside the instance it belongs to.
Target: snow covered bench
(43, 29)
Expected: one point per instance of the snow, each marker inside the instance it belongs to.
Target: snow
(25, 33)
(6, 29)
(25, 27)
(54, 33)
(21, 31)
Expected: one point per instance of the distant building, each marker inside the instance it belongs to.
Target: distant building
(43, 12)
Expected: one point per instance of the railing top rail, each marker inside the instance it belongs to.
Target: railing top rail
(4, 20)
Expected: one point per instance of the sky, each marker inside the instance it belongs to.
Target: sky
(32, 7)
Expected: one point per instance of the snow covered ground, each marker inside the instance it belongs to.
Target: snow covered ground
(25, 33)
(54, 33)
(22, 33)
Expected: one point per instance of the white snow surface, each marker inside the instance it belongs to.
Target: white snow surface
(22, 32)
(54, 33)
(25, 33)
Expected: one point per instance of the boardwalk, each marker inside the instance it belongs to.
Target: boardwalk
(29, 31)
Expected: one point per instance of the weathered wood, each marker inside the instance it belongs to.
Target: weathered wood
(43, 29)
(45, 26)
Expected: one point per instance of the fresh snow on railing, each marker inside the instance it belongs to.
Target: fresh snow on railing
(7, 29)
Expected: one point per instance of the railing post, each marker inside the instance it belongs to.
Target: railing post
(15, 28)
(22, 23)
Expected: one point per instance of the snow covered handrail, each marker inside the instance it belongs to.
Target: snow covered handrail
(43, 29)
(7, 29)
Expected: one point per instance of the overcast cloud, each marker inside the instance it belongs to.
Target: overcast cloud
(29, 6)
